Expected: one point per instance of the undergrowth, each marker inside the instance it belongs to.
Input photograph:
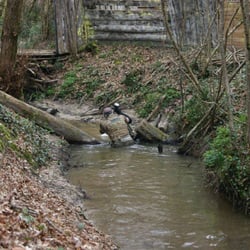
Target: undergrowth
(227, 163)
(23, 137)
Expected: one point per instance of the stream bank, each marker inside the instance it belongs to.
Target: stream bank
(39, 209)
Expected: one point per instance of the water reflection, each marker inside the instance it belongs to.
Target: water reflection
(147, 200)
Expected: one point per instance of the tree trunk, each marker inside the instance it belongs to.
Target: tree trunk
(61, 127)
(71, 22)
(66, 26)
(9, 38)
(224, 73)
(45, 19)
(61, 42)
(245, 8)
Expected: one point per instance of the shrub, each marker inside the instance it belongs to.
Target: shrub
(194, 111)
(229, 166)
(68, 84)
(132, 81)
(151, 100)
(91, 47)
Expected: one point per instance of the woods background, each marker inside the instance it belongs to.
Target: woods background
(114, 20)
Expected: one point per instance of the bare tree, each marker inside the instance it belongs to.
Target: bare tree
(224, 74)
(185, 28)
(46, 10)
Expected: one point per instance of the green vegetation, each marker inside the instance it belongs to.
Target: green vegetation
(91, 47)
(149, 102)
(194, 110)
(24, 138)
(132, 81)
(227, 160)
(67, 86)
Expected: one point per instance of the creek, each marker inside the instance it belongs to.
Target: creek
(146, 200)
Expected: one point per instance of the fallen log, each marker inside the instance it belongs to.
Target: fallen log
(59, 126)
(148, 132)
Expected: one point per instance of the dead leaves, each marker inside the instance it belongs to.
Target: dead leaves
(34, 217)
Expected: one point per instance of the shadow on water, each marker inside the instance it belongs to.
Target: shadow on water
(146, 200)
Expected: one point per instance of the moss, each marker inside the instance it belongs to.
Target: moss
(5, 137)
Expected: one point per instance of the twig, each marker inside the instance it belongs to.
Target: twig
(53, 226)
(43, 81)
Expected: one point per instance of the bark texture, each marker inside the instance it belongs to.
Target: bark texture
(9, 39)
(66, 13)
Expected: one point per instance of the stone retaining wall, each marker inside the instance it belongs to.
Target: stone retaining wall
(141, 20)
(126, 20)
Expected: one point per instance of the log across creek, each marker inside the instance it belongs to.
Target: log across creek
(59, 126)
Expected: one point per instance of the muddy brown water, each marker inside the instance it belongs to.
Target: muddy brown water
(146, 200)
